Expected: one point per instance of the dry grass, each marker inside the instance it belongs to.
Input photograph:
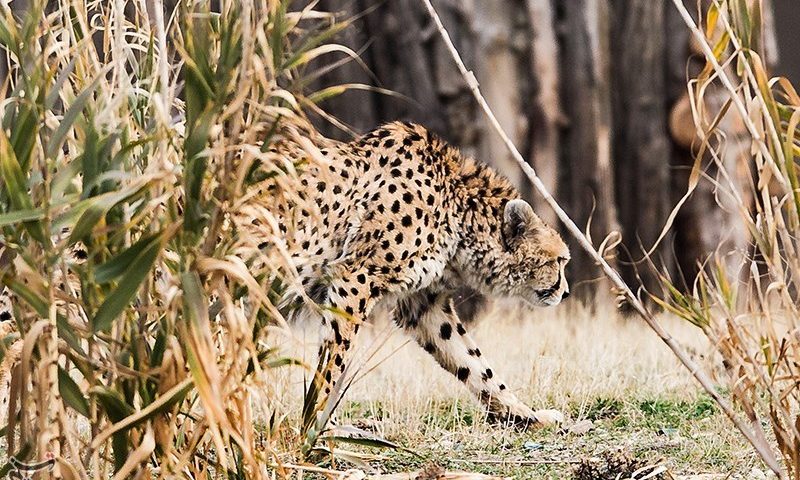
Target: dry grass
(591, 365)
(748, 307)
(158, 145)
(552, 357)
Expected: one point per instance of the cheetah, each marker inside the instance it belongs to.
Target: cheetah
(400, 219)
(403, 220)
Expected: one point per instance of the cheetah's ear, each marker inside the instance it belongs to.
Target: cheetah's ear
(518, 219)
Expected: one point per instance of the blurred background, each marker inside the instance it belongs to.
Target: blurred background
(593, 93)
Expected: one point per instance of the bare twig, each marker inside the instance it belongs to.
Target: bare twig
(700, 375)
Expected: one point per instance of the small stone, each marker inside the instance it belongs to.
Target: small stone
(581, 428)
(530, 445)
(354, 474)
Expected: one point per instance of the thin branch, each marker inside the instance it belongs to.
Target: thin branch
(700, 375)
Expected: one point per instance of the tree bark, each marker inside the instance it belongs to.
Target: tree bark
(546, 115)
(641, 145)
(500, 78)
(586, 177)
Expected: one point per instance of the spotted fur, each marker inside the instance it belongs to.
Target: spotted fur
(401, 217)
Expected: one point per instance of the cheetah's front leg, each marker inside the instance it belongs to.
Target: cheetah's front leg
(430, 319)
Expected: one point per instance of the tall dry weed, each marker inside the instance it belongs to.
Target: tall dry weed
(142, 152)
(749, 308)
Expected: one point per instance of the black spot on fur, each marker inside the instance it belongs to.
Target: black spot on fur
(462, 373)
(337, 335)
(446, 331)
(318, 292)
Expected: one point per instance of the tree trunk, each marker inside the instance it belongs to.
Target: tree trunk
(641, 146)
(500, 79)
(546, 115)
(586, 176)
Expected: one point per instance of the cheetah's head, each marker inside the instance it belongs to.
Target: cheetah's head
(537, 257)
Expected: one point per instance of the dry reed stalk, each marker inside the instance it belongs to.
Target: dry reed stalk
(755, 439)
(117, 362)
(755, 333)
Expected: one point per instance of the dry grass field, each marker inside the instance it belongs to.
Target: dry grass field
(144, 339)
(593, 366)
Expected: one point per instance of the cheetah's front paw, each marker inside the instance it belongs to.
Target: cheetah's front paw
(548, 417)
(521, 416)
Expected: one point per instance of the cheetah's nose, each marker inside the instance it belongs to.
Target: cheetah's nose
(565, 295)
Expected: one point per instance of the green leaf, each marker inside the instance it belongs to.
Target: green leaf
(195, 309)
(119, 444)
(312, 43)
(112, 403)
(18, 216)
(121, 297)
(55, 91)
(66, 332)
(71, 393)
(196, 163)
(8, 34)
(15, 185)
(33, 299)
(12, 175)
(176, 397)
(24, 130)
(93, 209)
(62, 180)
(159, 347)
(57, 139)
(119, 264)
(116, 409)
